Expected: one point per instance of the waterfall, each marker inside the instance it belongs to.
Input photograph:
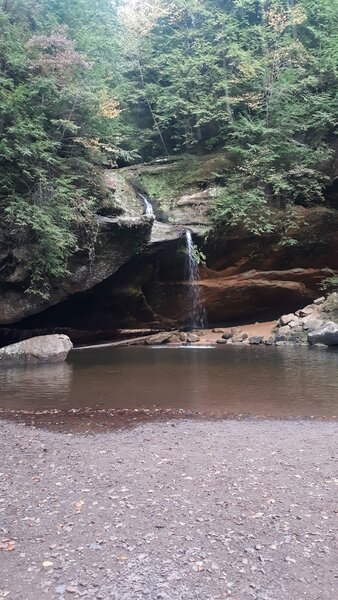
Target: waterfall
(197, 309)
(149, 211)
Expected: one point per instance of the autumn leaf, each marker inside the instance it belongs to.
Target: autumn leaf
(47, 563)
(79, 505)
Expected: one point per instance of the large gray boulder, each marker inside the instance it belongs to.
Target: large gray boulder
(326, 333)
(41, 349)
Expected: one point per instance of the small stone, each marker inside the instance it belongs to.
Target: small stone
(221, 341)
(269, 341)
(227, 335)
(60, 589)
(255, 340)
(236, 330)
(320, 300)
(280, 338)
(218, 330)
(198, 566)
(286, 319)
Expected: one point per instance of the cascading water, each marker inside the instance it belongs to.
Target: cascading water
(197, 317)
(149, 211)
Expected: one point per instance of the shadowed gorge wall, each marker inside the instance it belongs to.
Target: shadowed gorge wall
(246, 277)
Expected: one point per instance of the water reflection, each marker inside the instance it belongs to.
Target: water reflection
(36, 386)
(281, 382)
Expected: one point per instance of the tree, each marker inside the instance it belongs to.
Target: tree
(56, 126)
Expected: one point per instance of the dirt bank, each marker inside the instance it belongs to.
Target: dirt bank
(184, 510)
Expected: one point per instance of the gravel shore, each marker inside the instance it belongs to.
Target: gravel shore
(178, 510)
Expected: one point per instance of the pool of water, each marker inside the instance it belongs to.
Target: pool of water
(269, 382)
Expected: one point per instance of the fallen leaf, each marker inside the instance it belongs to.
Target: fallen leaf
(47, 563)
(198, 567)
(7, 544)
(79, 505)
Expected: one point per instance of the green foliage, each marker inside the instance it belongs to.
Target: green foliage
(256, 79)
(246, 207)
(199, 256)
(159, 187)
(168, 185)
(56, 125)
(330, 284)
(89, 82)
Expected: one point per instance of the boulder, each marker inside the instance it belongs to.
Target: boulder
(218, 330)
(295, 338)
(326, 334)
(295, 321)
(176, 339)
(41, 349)
(269, 341)
(306, 312)
(284, 330)
(318, 347)
(239, 338)
(313, 324)
(319, 301)
(192, 338)
(286, 319)
(227, 335)
(221, 341)
(255, 340)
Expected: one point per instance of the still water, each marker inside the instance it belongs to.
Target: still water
(270, 382)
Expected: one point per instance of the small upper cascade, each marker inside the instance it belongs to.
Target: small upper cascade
(148, 207)
(197, 317)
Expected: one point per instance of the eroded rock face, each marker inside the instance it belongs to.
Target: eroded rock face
(137, 276)
(119, 239)
(41, 349)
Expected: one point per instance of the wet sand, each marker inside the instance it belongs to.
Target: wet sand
(176, 510)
